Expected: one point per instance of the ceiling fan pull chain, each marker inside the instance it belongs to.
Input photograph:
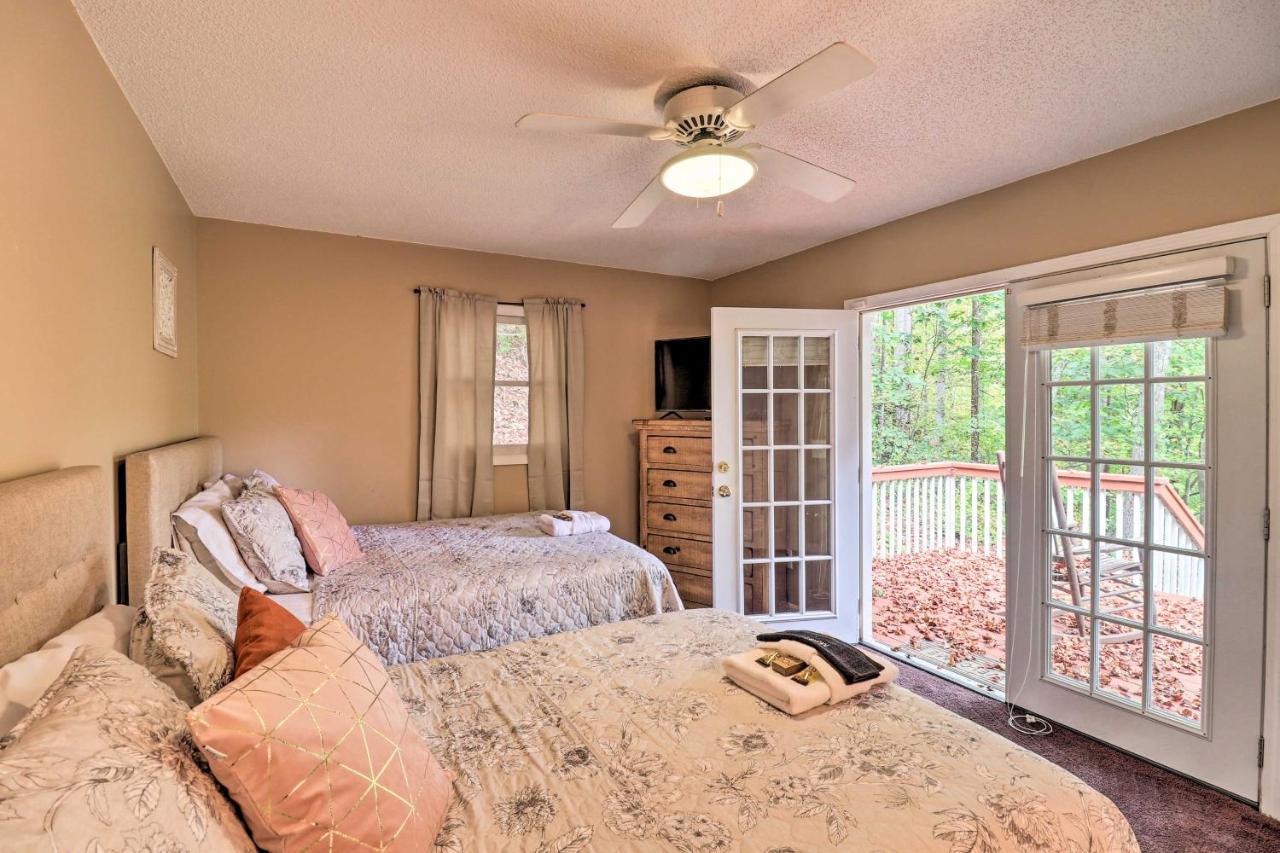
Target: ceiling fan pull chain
(720, 207)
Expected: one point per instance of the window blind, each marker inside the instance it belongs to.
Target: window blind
(1153, 314)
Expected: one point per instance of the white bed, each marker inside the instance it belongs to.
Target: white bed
(425, 589)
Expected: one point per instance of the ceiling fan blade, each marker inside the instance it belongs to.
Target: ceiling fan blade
(644, 204)
(832, 68)
(584, 124)
(816, 181)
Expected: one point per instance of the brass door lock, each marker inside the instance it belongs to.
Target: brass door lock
(723, 467)
(723, 491)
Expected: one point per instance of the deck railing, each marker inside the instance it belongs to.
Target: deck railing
(942, 505)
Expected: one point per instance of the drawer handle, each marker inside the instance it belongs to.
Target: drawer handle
(669, 484)
(671, 550)
(668, 516)
(668, 449)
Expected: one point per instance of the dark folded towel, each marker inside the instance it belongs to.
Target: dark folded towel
(849, 661)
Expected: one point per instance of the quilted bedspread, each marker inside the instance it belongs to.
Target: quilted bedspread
(627, 737)
(428, 589)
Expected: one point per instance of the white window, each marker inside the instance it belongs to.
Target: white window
(511, 388)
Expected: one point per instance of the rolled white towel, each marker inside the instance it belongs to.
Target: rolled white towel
(572, 522)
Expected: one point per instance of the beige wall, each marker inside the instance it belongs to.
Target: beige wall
(309, 364)
(83, 197)
(1221, 171)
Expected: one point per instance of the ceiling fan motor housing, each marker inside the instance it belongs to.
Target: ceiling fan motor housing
(697, 114)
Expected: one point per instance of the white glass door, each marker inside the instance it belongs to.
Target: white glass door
(1138, 493)
(784, 384)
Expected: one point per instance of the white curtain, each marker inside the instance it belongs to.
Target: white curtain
(455, 432)
(556, 376)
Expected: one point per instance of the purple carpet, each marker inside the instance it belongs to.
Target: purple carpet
(1168, 813)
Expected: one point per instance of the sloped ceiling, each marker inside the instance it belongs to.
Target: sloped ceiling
(395, 118)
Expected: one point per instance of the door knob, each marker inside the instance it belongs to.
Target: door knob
(723, 467)
(723, 491)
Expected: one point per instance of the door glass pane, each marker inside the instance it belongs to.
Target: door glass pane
(817, 418)
(755, 423)
(1072, 410)
(1179, 424)
(786, 419)
(1177, 678)
(1120, 662)
(817, 475)
(1179, 508)
(755, 362)
(1070, 646)
(786, 475)
(1120, 504)
(1185, 357)
(786, 362)
(755, 532)
(817, 585)
(786, 587)
(786, 531)
(1122, 361)
(755, 578)
(755, 476)
(1120, 425)
(1121, 589)
(1069, 507)
(1069, 365)
(1069, 560)
(1178, 584)
(817, 363)
(817, 530)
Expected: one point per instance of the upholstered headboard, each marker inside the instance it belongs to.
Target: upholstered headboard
(156, 482)
(55, 555)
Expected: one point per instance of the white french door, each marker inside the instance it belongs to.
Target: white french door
(1137, 478)
(784, 384)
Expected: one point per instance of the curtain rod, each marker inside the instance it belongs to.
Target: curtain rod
(418, 290)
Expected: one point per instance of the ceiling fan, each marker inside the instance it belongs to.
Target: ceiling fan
(704, 119)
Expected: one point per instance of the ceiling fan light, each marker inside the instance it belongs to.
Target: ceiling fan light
(708, 172)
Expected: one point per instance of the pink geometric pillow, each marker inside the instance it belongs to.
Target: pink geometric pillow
(326, 537)
(319, 752)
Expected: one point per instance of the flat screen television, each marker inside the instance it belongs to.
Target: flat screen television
(682, 374)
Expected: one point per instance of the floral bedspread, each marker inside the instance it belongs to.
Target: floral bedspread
(627, 737)
(430, 589)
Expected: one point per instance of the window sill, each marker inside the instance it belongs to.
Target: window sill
(510, 455)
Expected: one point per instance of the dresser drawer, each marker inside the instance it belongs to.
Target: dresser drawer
(689, 553)
(678, 484)
(678, 518)
(693, 589)
(678, 450)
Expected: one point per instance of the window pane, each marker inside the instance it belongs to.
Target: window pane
(1069, 646)
(786, 587)
(1179, 508)
(1069, 507)
(755, 476)
(1185, 357)
(1121, 590)
(1121, 361)
(1178, 414)
(1069, 365)
(1120, 654)
(786, 358)
(511, 414)
(755, 424)
(817, 475)
(817, 585)
(786, 419)
(1178, 582)
(817, 362)
(755, 532)
(786, 475)
(817, 530)
(1069, 559)
(786, 531)
(1120, 503)
(755, 362)
(1177, 677)
(512, 356)
(1071, 416)
(1120, 427)
(754, 578)
(817, 418)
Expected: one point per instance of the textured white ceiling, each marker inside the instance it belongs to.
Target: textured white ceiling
(394, 118)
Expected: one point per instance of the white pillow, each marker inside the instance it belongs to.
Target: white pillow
(26, 679)
(199, 522)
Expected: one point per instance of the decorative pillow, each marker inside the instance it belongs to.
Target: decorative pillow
(261, 528)
(326, 537)
(144, 651)
(199, 522)
(261, 481)
(193, 619)
(299, 740)
(25, 680)
(104, 762)
(262, 629)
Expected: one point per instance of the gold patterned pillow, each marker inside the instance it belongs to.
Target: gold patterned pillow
(193, 619)
(104, 761)
(318, 750)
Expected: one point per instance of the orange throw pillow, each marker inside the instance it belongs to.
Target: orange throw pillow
(262, 629)
(319, 751)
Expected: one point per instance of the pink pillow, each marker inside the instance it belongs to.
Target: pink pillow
(319, 752)
(326, 537)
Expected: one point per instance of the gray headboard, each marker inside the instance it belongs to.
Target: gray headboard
(156, 482)
(55, 555)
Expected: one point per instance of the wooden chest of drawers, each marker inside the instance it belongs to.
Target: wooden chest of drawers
(675, 502)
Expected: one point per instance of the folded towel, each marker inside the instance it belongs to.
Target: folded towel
(572, 522)
(789, 696)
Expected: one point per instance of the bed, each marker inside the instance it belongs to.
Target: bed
(627, 737)
(426, 589)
